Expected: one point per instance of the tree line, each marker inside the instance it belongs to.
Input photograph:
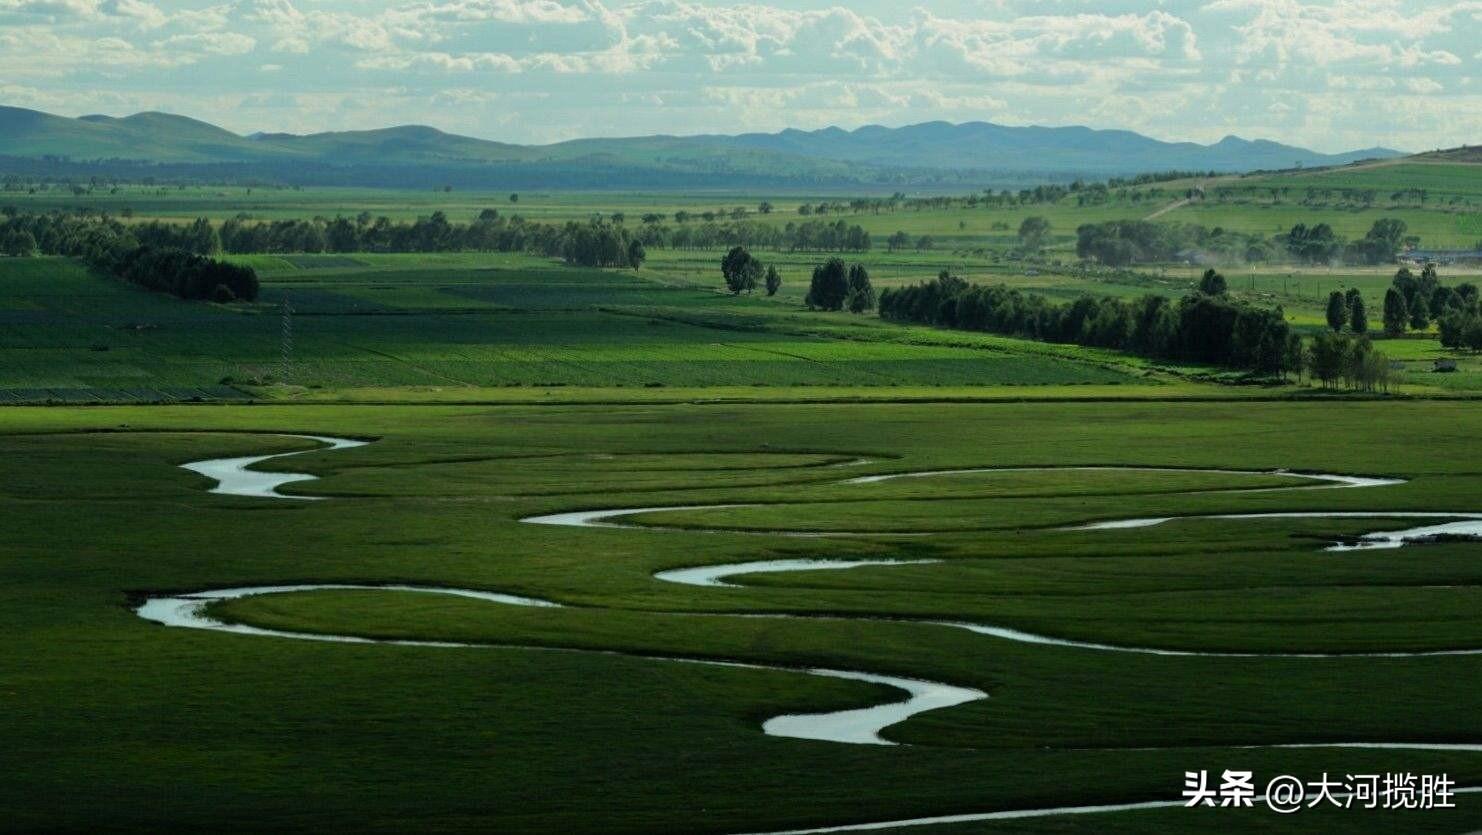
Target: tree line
(1119, 243)
(154, 256)
(595, 242)
(1205, 326)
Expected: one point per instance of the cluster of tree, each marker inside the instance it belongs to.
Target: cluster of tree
(1348, 309)
(1349, 359)
(1120, 243)
(1462, 329)
(742, 271)
(597, 244)
(903, 240)
(1320, 245)
(62, 234)
(1117, 243)
(1414, 301)
(170, 259)
(1313, 245)
(1203, 327)
(185, 274)
(837, 287)
(18, 243)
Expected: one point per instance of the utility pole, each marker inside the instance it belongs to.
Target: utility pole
(286, 345)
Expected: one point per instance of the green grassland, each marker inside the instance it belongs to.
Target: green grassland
(468, 321)
(127, 725)
(497, 386)
(472, 325)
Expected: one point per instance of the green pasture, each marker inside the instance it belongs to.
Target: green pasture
(126, 725)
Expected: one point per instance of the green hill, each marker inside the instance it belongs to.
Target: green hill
(935, 154)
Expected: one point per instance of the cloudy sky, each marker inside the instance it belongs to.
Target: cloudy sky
(1330, 75)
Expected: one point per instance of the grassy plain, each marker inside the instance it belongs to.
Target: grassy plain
(114, 716)
(499, 386)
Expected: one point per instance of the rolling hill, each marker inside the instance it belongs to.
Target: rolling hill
(924, 155)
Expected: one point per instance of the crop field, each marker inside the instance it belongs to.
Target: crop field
(506, 728)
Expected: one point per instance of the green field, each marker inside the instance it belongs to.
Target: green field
(113, 716)
(493, 388)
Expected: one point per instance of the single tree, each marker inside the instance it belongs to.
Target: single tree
(514, 198)
(1337, 311)
(1358, 317)
(774, 281)
(1396, 313)
(924, 243)
(740, 270)
(764, 208)
(636, 254)
(1032, 233)
(1212, 284)
(1420, 312)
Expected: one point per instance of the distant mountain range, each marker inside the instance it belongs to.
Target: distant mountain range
(932, 154)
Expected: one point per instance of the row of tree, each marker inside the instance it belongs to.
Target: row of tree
(1204, 327)
(1348, 359)
(185, 274)
(596, 242)
(1118, 243)
(158, 257)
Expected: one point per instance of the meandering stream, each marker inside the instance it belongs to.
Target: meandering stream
(855, 726)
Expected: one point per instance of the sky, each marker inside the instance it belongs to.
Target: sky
(1331, 76)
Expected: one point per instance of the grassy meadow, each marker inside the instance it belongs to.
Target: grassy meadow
(113, 713)
(493, 387)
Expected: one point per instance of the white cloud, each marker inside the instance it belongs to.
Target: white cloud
(1177, 69)
(209, 43)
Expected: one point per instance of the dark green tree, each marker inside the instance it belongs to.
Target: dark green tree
(861, 296)
(1329, 357)
(636, 254)
(19, 244)
(1212, 284)
(1420, 312)
(1358, 316)
(829, 287)
(1396, 312)
(1032, 233)
(1337, 311)
(740, 270)
(774, 281)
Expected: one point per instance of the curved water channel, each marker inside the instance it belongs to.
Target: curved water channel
(856, 726)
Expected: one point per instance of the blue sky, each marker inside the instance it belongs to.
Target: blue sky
(1329, 75)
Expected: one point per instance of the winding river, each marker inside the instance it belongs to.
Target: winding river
(855, 726)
